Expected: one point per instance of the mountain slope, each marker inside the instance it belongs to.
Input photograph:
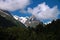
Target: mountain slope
(6, 23)
(7, 20)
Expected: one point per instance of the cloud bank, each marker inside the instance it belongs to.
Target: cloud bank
(12, 5)
(44, 12)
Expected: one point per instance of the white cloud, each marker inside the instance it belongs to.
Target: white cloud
(13, 4)
(44, 12)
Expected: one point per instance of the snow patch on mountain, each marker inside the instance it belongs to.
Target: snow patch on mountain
(21, 19)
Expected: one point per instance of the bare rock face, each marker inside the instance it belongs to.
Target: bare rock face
(32, 22)
(6, 14)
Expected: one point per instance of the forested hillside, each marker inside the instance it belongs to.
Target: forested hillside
(46, 32)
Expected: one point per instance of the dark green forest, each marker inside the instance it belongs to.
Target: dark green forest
(14, 31)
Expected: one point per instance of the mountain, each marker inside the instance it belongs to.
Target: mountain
(32, 22)
(21, 19)
(28, 21)
(7, 20)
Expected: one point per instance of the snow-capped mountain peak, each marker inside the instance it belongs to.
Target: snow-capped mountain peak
(27, 21)
(21, 19)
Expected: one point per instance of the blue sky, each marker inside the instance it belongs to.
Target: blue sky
(34, 3)
(20, 8)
